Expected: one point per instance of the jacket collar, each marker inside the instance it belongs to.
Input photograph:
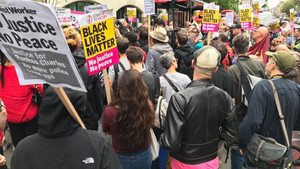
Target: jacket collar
(243, 57)
(202, 82)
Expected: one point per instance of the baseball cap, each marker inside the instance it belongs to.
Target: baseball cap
(167, 59)
(207, 57)
(235, 26)
(283, 59)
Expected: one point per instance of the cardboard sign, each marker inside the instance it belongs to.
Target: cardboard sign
(31, 38)
(245, 16)
(91, 8)
(256, 8)
(149, 7)
(229, 18)
(75, 15)
(100, 46)
(95, 16)
(131, 13)
(275, 27)
(255, 23)
(292, 23)
(210, 18)
(63, 15)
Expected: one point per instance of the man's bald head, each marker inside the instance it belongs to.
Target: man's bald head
(260, 33)
(282, 47)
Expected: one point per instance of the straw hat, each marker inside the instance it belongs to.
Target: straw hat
(160, 34)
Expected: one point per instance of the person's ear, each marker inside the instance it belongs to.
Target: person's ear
(216, 69)
(193, 64)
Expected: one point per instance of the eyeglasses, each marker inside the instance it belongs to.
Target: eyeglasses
(2, 106)
(176, 60)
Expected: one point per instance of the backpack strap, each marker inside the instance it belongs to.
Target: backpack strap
(157, 86)
(116, 69)
(245, 82)
(122, 66)
(171, 83)
(85, 75)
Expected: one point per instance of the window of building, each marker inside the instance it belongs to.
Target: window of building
(79, 6)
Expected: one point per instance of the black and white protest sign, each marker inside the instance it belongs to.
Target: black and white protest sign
(31, 37)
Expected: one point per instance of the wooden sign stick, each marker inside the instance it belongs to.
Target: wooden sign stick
(107, 87)
(149, 29)
(66, 101)
(208, 38)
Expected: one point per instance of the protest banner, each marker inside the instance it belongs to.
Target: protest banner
(210, 18)
(229, 18)
(149, 7)
(99, 43)
(75, 15)
(245, 16)
(31, 38)
(131, 14)
(275, 27)
(292, 23)
(63, 15)
(91, 8)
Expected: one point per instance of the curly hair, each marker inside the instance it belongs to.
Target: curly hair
(135, 115)
(73, 37)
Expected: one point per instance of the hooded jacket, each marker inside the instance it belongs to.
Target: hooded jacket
(184, 54)
(60, 143)
(152, 60)
(94, 107)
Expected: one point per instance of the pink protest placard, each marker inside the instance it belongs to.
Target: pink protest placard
(210, 18)
(245, 16)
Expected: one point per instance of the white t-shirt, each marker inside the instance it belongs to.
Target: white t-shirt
(179, 80)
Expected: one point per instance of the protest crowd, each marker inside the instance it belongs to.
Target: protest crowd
(182, 103)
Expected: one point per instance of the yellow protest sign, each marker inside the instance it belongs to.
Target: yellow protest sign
(292, 17)
(211, 16)
(256, 7)
(245, 15)
(255, 21)
(275, 27)
(99, 43)
(131, 13)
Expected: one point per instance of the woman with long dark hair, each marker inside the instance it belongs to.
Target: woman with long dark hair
(128, 119)
(22, 110)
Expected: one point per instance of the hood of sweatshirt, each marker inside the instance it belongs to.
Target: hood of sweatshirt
(54, 118)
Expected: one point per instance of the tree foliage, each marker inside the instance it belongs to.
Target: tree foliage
(289, 4)
(225, 4)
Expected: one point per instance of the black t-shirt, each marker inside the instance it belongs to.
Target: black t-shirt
(223, 80)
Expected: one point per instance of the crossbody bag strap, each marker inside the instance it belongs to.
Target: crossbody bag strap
(122, 66)
(171, 83)
(281, 117)
(244, 80)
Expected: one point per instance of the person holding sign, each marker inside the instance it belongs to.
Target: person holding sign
(22, 110)
(92, 83)
(61, 142)
(129, 119)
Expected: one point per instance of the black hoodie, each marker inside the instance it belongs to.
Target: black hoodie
(184, 54)
(60, 143)
(94, 107)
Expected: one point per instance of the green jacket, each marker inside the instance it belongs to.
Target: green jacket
(251, 66)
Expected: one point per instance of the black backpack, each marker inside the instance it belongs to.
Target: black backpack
(185, 64)
(116, 69)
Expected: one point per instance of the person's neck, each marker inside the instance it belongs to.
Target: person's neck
(199, 77)
(276, 73)
(138, 67)
(122, 56)
(244, 54)
(171, 70)
(258, 40)
(9, 63)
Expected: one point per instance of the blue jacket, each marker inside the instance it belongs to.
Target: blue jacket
(262, 116)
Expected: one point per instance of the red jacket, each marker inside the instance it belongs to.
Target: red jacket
(17, 99)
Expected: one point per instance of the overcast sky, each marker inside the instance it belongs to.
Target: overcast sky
(273, 3)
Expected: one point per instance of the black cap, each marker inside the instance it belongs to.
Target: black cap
(236, 26)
